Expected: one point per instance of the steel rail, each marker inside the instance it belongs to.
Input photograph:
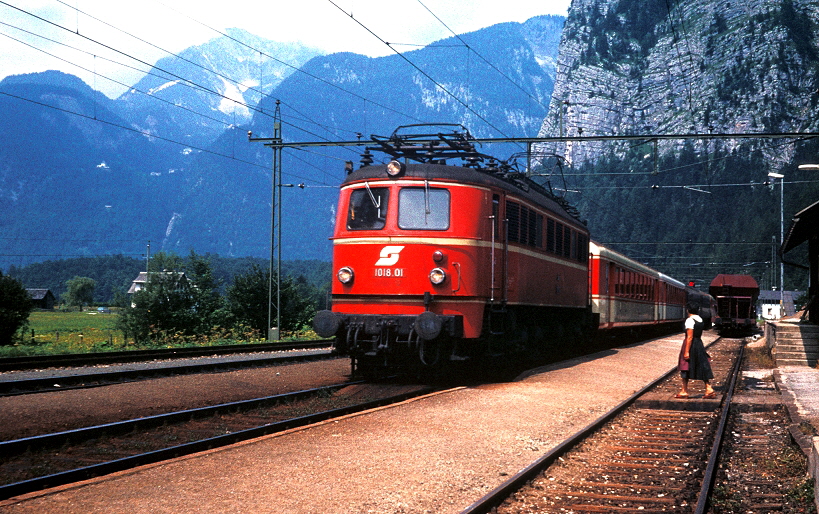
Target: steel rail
(58, 439)
(88, 380)
(88, 359)
(495, 497)
(66, 477)
(713, 460)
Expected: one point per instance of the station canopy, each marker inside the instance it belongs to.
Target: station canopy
(804, 226)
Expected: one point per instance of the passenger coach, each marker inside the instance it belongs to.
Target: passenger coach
(628, 295)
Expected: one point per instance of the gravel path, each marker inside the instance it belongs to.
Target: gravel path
(34, 414)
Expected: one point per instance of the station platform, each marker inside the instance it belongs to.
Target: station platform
(795, 348)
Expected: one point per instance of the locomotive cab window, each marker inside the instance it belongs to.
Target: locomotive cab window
(423, 208)
(368, 208)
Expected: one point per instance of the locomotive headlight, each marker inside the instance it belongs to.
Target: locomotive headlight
(437, 276)
(345, 275)
(438, 256)
(394, 168)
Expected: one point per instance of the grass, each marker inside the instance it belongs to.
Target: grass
(761, 357)
(59, 332)
(64, 332)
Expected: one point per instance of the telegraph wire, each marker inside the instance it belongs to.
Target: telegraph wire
(109, 47)
(193, 84)
(146, 134)
(226, 124)
(95, 118)
(296, 69)
(480, 56)
(422, 72)
(184, 84)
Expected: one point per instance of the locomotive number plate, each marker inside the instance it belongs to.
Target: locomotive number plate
(389, 272)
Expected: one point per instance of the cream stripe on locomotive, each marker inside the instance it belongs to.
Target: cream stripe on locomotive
(417, 300)
(457, 242)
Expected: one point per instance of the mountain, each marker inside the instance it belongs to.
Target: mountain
(628, 67)
(81, 174)
(74, 180)
(344, 95)
(209, 88)
(495, 81)
(693, 66)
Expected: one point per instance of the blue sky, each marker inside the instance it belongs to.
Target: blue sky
(177, 24)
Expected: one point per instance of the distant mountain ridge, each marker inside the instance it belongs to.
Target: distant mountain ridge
(82, 174)
(223, 79)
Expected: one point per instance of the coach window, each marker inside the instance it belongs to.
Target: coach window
(558, 238)
(423, 208)
(368, 208)
(538, 230)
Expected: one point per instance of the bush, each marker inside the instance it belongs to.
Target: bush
(15, 307)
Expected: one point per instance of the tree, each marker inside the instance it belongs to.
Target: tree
(173, 302)
(15, 307)
(248, 296)
(80, 291)
(207, 302)
(162, 307)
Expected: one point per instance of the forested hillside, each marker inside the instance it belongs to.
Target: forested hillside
(113, 274)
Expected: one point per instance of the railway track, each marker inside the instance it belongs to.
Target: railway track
(50, 460)
(92, 359)
(644, 455)
(172, 363)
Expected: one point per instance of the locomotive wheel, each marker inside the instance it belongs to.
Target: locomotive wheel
(429, 353)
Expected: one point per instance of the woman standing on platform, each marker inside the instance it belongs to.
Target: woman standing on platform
(693, 362)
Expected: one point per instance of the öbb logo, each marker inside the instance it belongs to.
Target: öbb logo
(389, 255)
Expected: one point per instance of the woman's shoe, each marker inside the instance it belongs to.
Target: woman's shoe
(710, 396)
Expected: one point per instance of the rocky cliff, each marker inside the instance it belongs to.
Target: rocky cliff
(690, 66)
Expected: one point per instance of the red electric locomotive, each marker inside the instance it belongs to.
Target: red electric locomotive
(436, 262)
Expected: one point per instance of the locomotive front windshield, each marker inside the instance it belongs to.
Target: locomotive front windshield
(423, 209)
(368, 208)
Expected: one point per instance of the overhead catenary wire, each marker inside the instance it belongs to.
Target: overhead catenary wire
(422, 72)
(190, 83)
(481, 57)
(295, 68)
